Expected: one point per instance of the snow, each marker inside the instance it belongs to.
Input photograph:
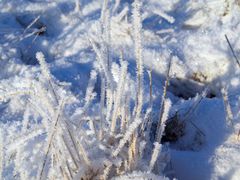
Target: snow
(71, 68)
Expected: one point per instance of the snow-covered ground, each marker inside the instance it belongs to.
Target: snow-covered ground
(88, 51)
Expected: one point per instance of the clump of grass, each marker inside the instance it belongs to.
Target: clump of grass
(86, 144)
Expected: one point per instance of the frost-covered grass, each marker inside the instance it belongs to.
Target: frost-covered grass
(119, 89)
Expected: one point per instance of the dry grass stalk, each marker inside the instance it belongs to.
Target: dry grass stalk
(150, 87)
(158, 136)
(58, 114)
(229, 115)
(192, 109)
(75, 161)
(232, 50)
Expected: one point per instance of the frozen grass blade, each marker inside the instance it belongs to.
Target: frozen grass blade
(138, 48)
(51, 136)
(158, 132)
(228, 110)
(233, 52)
(1, 154)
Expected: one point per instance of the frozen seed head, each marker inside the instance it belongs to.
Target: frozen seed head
(44, 68)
